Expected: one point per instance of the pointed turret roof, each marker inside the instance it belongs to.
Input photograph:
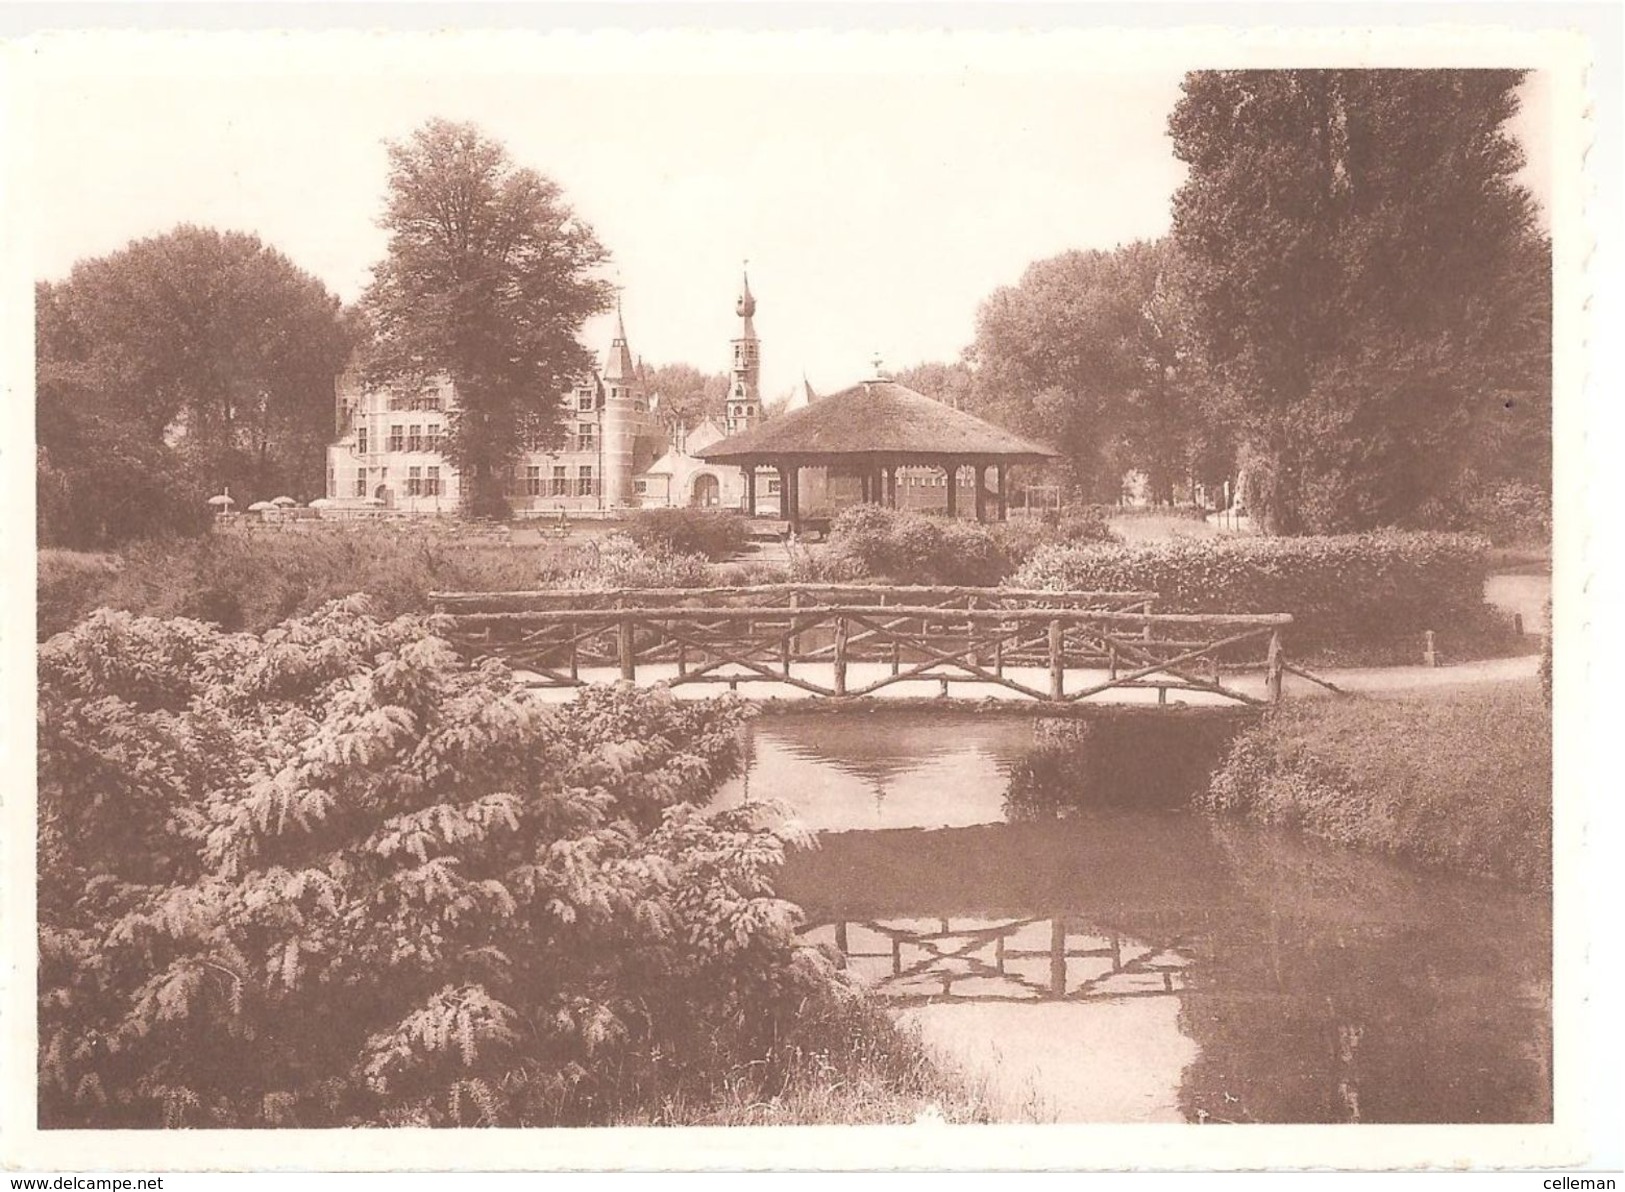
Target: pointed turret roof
(801, 396)
(618, 361)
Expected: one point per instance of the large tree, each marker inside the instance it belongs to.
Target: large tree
(1364, 277)
(1085, 352)
(195, 359)
(488, 280)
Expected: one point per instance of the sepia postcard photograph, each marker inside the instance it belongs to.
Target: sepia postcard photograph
(647, 598)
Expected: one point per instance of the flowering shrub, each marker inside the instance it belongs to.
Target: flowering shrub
(333, 875)
(1357, 587)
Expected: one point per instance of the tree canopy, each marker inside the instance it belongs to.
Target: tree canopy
(687, 395)
(1085, 353)
(1364, 275)
(184, 362)
(487, 281)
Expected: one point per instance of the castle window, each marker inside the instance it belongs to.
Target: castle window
(414, 437)
(361, 440)
(397, 437)
(584, 400)
(431, 438)
(641, 487)
(584, 436)
(431, 482)
(584, 482)
(533, 481)
(773, 486)
(361, 482)
(414, 482)
(561, 483)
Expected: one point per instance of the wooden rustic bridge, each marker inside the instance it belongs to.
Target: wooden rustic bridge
(847, 642)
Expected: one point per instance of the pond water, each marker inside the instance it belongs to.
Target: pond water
(1089, 951)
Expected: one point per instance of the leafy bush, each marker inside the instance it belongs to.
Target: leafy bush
(1509, 513)
(868, 540)
(334, 876)
(1458, 779)
(713, 534)
(1364, 587)
(618, 562)
(1512, 513)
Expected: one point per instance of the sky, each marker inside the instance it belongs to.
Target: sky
(879, 199)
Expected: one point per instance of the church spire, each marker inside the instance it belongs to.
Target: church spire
(744, 386)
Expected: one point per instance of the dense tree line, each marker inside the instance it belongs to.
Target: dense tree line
(183, 364)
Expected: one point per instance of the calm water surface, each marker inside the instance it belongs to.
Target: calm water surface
(1124, 963)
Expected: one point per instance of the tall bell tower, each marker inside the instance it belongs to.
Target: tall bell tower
(744, 389)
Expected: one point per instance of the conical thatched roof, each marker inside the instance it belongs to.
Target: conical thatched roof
(876, 418)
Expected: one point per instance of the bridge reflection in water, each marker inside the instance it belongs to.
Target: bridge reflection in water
(921, 961)
(1113, 962)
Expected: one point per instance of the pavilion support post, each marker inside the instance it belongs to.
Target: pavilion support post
(790, 486)
(979, 473)
(891, 487)
(863, 488)
(1004, 491)
(750, 491)
(953, 489)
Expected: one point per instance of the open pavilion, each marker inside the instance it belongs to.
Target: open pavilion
(872, 430)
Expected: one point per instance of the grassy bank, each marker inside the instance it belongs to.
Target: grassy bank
(1456, 778)
(847, 1063)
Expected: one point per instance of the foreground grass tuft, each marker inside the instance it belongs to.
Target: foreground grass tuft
(1455, 778)
(847, 1062)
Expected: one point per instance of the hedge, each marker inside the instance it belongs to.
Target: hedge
(1349, 588)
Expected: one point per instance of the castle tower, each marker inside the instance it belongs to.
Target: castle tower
(619, 421)
(744, 389)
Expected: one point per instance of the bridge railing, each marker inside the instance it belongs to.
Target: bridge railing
(850, 648)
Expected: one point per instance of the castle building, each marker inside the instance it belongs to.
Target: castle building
(615, 454)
